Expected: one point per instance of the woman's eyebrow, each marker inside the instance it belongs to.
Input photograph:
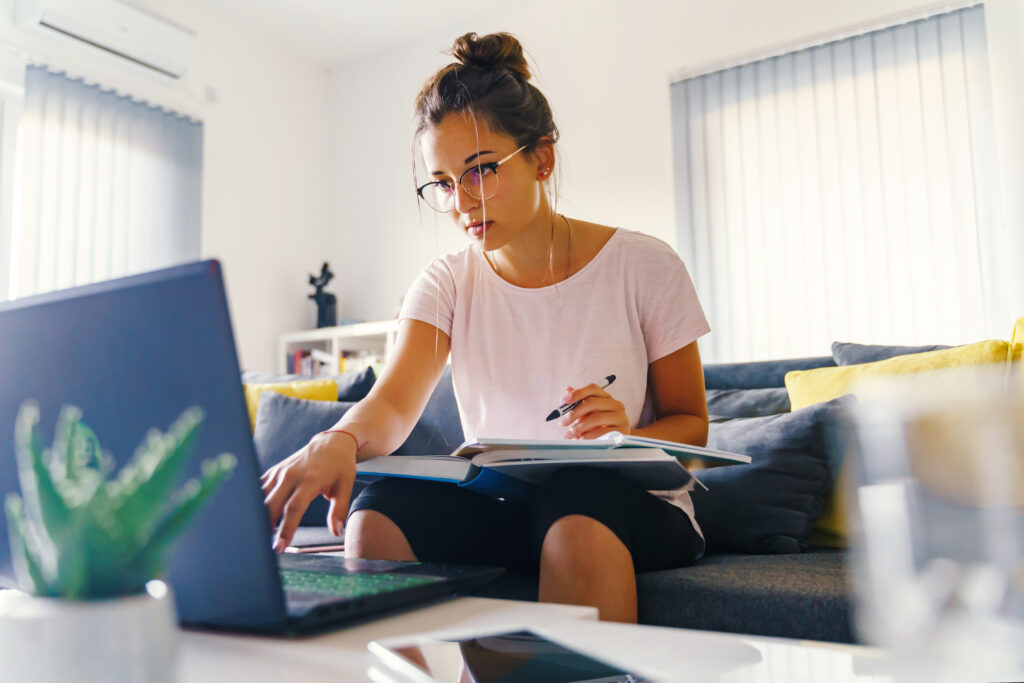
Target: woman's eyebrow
(478, 154)
(468, 159)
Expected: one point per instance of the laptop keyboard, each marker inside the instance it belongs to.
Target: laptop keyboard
(349, 585)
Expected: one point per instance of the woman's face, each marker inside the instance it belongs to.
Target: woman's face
(457, 144)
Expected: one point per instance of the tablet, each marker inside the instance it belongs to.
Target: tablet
(516, 655)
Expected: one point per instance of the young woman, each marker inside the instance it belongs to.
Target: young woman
(536, 309)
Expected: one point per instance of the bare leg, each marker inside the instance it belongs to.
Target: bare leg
(582, 562)
(373, 536)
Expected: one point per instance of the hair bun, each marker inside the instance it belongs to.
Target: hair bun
(493, 51)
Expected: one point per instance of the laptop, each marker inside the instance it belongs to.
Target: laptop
(135, 352)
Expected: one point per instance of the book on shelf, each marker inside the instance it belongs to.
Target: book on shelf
(513, 468)
(319, 363)
(305, 362)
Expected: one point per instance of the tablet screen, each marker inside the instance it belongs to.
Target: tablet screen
(516, 657)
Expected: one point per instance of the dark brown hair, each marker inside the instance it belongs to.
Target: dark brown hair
(490, 80)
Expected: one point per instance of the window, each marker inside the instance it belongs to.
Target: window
(847, 191)
(107, 186)
(12, 98)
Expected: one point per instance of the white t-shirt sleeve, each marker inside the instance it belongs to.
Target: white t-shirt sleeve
(431, 297)
(676, 318)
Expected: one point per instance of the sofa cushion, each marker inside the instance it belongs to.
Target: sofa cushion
(790, 596)
(812, 386)
(805, 596)
(807, 387)
(747, 402)
(1017, 342)
(285, 424)
(439, 429)
(770, 505)
(846, 353)
(758, 374)
(352, 386)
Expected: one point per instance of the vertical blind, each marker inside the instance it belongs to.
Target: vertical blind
(108, 186)
(846, 192)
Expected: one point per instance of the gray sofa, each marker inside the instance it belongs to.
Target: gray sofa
(759, 576)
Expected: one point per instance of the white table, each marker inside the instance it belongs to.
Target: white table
(666, 654)
(341, 655)
(675, 654)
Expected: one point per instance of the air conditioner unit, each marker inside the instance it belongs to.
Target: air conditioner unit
(124, 30)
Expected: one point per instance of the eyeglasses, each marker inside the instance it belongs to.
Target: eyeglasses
(479, 182)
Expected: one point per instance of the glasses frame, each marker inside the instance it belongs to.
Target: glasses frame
(492, 165)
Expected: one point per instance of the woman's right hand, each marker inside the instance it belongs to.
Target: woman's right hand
(324, 466)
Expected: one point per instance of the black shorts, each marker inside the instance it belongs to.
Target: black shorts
(445, 523)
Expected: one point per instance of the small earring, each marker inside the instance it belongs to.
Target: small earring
(545, 172)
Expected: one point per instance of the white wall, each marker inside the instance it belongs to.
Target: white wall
(265, 193)
(606, 69)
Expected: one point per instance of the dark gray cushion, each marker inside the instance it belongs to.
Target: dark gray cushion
(770, 505)
(352, 386)
(791, 596)
(285, 424)
(804, 596)
(758, 374)
(846, 353)
(748, 402)
(439, 429)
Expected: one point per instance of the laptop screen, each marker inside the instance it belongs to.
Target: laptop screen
(133, 354)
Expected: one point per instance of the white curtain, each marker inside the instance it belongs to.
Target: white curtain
(108, 186)
(849, 192)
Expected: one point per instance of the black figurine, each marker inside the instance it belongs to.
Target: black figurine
(326, 303)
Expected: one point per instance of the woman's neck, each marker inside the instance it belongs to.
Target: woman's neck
(538, 256)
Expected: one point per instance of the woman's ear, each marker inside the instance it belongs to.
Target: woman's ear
(544, 156)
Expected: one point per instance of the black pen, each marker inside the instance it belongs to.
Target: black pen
(566, 407)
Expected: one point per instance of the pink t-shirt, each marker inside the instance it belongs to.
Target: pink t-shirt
(514, 350)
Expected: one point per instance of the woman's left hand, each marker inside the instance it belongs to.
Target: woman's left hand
(598, 413)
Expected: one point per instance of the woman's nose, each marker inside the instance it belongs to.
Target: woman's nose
(464, 202)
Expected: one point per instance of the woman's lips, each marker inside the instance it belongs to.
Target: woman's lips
(478, 229)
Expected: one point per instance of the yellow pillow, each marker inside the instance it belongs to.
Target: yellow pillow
(1017, 341)
(313, 389)
(807, 387)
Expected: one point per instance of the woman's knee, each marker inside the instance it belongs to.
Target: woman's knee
(575, 543)
(578, 529)
(580, 494)
(373, 535)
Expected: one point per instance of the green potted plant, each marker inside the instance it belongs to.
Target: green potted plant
(89, 548)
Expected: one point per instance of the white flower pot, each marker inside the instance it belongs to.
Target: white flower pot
(125, 639)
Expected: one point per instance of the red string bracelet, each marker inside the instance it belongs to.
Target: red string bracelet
(342, 431)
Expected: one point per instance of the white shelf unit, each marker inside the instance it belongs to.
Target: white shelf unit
(378, 336)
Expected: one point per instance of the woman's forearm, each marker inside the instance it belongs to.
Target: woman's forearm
(377, 425)
(682, 427)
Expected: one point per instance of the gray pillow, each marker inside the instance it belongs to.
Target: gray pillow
(846, 353)
(769, 506)
(285, 424)
(747, 402)
(439, 429)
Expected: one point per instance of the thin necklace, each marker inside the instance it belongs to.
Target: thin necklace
(568, 248)
(551, 252)
(493, 264)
